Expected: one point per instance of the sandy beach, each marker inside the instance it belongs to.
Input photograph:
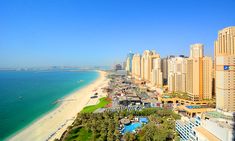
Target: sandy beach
(53, 124)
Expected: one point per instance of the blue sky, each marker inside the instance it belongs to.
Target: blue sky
(101, 32)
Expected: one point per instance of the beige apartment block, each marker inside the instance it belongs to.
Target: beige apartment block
(146, 62)
(136, 66)
(207, 77)
(145, 67)
(156, 74)
(194, 78)
(150, 68)
(177, 74)
(225, 69)
(199, 74)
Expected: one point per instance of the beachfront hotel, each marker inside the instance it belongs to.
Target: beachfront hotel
(224, 53)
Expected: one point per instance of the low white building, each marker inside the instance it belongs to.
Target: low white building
(216, 126)
(210, 126)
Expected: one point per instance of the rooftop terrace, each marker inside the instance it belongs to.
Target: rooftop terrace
(216, 114)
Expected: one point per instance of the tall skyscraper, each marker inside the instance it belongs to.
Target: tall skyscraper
(177, 74)
(199, 74)
(164, 68)
(225, 69)
(136, 66)
(129, 62)
(156, 73)
(207, 77)
(151, 68)
(194, 72)
(146, 65)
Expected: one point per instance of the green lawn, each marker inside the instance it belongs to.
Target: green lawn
(89, 109)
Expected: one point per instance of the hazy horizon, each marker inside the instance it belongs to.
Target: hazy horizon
(43, 33)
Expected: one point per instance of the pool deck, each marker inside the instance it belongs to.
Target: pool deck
(191, 112)
(134, 125)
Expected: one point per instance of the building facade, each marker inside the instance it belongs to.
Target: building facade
(146, 67)
(156, 73)
(207, 75)
(210, 126)
(136, 66)
(164, 69)
(225, 69)
(194, 72)
(129, 62)
(185, 126)
(199, 74)
(177, 74)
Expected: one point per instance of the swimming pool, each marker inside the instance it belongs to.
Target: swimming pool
(131, 127)
(194, 107)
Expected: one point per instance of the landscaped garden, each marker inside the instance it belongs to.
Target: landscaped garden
(106, 126)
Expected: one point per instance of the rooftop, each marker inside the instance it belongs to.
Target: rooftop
(195, 108)
(206, 134)
(216, 114)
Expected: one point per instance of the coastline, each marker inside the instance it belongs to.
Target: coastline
(54, 123)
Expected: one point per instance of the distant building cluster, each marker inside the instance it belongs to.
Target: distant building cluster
(182, 74)
(193, 75)
(147, 67)
(200, 79)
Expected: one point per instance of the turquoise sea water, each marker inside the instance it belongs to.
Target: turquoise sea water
(27, 95)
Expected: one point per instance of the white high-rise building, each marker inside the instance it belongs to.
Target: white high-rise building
(177, 74)
(156, 73)
(196, 50)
